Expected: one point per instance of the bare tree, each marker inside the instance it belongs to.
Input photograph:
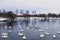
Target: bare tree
(34, 12)
(0, 11)
(4, 11)
(21, 11)
(16, 11)
(27, 12)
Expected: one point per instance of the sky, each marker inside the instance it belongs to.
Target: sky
(43, 6)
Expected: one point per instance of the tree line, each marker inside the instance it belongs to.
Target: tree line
(11, 14)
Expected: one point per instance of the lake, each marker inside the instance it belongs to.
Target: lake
(26, 29)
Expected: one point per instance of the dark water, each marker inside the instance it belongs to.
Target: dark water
(31, 29)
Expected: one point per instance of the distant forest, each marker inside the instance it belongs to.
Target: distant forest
(26, 14)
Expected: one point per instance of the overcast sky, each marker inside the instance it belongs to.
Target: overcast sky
(38, 5)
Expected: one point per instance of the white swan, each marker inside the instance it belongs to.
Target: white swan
(42, 35)
(54, 36)
(24, 37)
(4, 35)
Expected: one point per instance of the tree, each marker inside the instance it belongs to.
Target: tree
(4, 11)
(0, 11)
(52, 15)
(27, 12)
(21, 11)
(16, 11)
(34, 12)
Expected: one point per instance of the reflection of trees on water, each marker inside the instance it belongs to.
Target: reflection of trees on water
(26, 22)
(34, 22)
(22, 23)
(12, 23)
